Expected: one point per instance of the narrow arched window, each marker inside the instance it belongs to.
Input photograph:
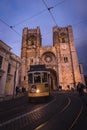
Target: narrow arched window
(63, 40)
(1, 59)
(32, 42)
(65, 59)
(31, 61)
(9, 68)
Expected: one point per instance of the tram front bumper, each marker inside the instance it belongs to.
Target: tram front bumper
(42, 94)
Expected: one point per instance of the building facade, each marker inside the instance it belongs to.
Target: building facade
(60, 59)
(9, 70)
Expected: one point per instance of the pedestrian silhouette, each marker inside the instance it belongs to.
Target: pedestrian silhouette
(23, 89)
(17, 90)
(80, 89)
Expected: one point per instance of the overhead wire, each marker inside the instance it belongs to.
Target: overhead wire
(11, 27)
(39, 14)
(59, 3)
(49, 10)
(29, 18)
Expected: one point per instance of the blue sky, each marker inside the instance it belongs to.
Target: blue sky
(33, 13)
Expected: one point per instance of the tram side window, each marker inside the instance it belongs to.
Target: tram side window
(37, 77)
(44, 77)
(30, 78)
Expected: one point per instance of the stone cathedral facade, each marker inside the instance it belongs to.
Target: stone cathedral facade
(60, 59)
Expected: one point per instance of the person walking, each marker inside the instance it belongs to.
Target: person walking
(17, 90)
(80, 89)
(23, 89)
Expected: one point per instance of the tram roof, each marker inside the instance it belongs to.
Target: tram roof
(38, 68)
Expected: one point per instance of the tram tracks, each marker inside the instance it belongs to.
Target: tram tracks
(77, 117)
(64, 109)
(31, 117)
(40, 117)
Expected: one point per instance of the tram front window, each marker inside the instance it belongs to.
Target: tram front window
(37, 77)
(30, 78)
(44, 77)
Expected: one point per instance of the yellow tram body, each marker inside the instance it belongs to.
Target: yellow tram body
(40, 92)
(38, 81)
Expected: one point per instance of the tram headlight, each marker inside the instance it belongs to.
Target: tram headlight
(37, 91)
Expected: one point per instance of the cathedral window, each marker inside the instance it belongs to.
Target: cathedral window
(63, 40)
(31, 61)
(24, 77)
(9, 68)
(1, 59)
(32, 42)
(65, 59)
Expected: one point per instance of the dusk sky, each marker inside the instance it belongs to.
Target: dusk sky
(17, 14)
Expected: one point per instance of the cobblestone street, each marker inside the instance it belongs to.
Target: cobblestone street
(46, 115)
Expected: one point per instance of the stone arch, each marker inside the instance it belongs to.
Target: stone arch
(49, 59)
(54, 79)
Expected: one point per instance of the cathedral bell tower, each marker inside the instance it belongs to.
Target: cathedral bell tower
(68, 66)
(31, 43)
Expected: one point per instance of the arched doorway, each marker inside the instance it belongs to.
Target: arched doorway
(48, 58)
(54, 79)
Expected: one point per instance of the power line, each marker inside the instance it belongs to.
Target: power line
(4, 22)
(29, 18)
(11, 27)
(49, 9)
(15, 30)
(40, 13)
(53, 17)
(59, 3)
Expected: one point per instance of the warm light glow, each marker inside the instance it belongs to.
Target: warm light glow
(37, 91)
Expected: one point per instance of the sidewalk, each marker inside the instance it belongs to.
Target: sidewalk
(8, 102)
(10, 97)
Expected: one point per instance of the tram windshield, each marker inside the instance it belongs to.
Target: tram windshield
(44, 77)
(30, 78)
(37, 77)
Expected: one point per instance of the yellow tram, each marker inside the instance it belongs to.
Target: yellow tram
(38, 81)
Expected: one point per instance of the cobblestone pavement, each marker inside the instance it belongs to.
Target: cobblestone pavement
(10, 97)
(71, 116)
(32, 119)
